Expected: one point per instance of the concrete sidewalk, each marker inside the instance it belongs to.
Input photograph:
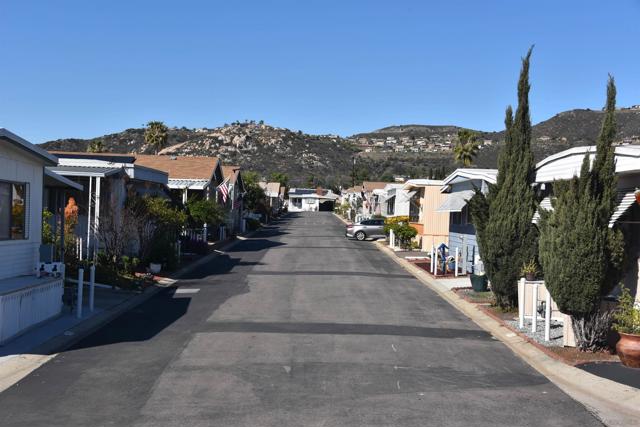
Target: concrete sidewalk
(614, 403)
(22, 355)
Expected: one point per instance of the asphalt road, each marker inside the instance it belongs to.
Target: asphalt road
(295, 327)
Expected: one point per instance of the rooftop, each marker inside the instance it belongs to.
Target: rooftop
(27, 146)
(231, 172)
(566, 164)
(413, 183)
(180, 167)
(369, 186)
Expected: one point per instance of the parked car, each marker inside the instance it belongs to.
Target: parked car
(373, 228)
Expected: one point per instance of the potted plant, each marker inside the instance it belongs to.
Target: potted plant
(479, 282)
(627, 324)
(530, 270)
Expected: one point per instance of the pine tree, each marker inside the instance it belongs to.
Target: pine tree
(581, 256)
(507, 237)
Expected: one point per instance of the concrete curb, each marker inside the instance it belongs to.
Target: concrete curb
(613, 403)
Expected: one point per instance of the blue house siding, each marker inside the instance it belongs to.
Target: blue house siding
(464, 234)
(459, 240)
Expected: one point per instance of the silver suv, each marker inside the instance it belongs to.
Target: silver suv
(366, 228)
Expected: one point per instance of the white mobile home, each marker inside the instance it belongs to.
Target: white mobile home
(567, 164)
(26, 298)
(311, 200)
(460, 187)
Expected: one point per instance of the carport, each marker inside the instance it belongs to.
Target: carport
(326, 206)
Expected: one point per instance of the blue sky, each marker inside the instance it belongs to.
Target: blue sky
(86, 68)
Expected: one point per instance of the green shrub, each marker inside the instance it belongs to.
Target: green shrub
(404, 233)
(129, 265)
(393, 221)
(253, 224)
(627, 316)
(205, 212)
(48, 237)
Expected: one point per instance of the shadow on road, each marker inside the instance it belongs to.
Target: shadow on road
(223, 264)
(348, 329)
(140, 324)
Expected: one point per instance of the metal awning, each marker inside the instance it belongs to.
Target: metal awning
(456, 201)
(52, 179)
(409, 195)
(544, 204)
(190, 184)
(85, 171)
(624, 200)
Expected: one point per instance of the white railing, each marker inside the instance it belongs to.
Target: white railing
(531, 293)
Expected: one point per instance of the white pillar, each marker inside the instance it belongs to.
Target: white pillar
(534, 307)
(455, 262)
(521, 299)
(89, 217)
(184, 196)
(392, 239)
(465, 255)
(92, 282)
(79, 295)
(435, 264)
(205, 227)
(547, 317)
(96, 219)
(433, 258)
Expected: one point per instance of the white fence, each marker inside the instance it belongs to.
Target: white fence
(29, 305)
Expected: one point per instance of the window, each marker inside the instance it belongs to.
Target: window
(460, 218)
(296, 202)
(13, 210)
(391, 204)
(414, 208)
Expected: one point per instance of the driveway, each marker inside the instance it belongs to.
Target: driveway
(295, 327)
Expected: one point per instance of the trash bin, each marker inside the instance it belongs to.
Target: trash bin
(479, 282)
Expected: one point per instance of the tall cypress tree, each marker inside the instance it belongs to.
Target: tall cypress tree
(507, 237)
(581, 256)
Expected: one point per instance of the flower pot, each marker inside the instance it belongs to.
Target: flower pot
(628, 349)
(155, 268)
(479, 282)
(530, 277)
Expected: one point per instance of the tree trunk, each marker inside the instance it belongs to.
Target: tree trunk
(591, 330)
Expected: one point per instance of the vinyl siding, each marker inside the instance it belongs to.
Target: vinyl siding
(19, 257)
(436, 224)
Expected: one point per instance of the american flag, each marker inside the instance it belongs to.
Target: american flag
(224, 190)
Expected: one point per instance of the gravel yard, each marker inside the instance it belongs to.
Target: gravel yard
(555, 332)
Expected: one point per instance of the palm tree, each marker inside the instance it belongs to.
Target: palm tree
(95, 146)
(155, 135)
(466, 148)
